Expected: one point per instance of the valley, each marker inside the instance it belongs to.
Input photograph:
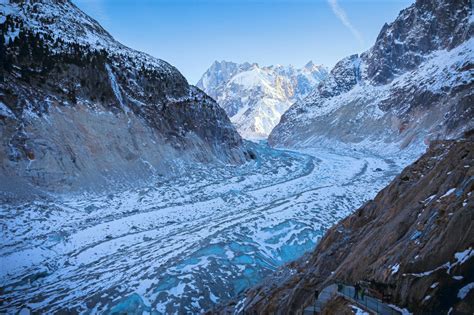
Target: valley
(124, 189)
(183, 244)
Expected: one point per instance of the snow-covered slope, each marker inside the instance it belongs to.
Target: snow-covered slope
(414, 85)
(77, 108)
(255, 97)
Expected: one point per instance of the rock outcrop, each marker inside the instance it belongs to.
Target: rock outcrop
(78, 109)
(414, 85)
(413, 244)
(255, 97)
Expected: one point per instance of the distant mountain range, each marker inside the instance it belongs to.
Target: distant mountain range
(255, 97)
(414, 85)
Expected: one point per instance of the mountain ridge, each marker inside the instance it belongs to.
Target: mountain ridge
(255, 96)
(370, 96)
(102, 88)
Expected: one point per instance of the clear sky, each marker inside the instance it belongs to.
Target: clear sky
(191, 34)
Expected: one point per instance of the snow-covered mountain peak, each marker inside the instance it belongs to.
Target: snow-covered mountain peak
(255, 96)
(311, 66)
(60, 19)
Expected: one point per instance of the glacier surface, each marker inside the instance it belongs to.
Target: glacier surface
(183, 244)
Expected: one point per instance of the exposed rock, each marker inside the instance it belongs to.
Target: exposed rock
(413, 244)
(422, 28)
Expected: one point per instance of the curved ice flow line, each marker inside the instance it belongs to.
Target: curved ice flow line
(222, 222)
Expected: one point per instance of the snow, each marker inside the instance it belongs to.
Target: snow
(403, 311)
(257, 121)
(221, 229)
(357, 110)
(5, 111)
(239, 307)
(116, 88)
(429, 199)
(449, 192)
(254, 78)
(167, 241)
(462, 257)
(11, 35)
(464, 291)
(74, 26)
(395, 268)
(358, 311)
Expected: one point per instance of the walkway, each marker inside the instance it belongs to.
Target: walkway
(368, 302)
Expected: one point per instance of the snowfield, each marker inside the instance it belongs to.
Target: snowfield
(184, 244)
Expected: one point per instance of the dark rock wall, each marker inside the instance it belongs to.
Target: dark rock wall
(424, 27)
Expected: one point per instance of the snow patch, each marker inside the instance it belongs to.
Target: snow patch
(449, 192)
(395, 268)
(358, 311)
(464, 291)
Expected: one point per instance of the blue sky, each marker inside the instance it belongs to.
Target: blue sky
(191, 34)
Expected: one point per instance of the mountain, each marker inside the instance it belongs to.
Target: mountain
(412, 244)
(79, 109)
(414, 85)
(255, 97)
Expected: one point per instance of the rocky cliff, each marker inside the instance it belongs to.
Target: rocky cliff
(255, 97)
(412, 244)
(79, 109)
(413, 85)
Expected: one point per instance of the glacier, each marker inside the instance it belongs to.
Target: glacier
(180, 245)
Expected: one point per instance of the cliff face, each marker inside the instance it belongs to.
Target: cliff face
(413, 243)
(414, 85)
(424, 27)
(78, 109)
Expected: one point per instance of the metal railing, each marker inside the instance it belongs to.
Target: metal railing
(362, 299)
